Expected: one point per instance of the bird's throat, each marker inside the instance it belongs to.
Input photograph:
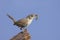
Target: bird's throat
(29, 21)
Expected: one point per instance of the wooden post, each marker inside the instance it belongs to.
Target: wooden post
(23, 35)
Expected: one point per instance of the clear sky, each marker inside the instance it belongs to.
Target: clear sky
(47, 27)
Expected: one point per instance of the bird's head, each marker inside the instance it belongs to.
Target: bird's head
(32, 16)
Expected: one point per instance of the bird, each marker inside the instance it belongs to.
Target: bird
(23, 22)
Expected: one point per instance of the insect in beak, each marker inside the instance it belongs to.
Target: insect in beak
(36, 16)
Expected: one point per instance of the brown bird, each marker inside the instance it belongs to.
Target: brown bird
(24, 22)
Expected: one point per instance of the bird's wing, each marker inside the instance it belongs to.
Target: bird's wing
(23, 21)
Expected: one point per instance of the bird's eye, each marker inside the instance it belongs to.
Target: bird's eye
(31, 15)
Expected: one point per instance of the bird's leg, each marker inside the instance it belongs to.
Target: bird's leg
(20, 28)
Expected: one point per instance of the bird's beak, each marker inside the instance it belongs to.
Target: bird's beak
(36, 16)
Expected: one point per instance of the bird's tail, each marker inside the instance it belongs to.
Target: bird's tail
(11, 18)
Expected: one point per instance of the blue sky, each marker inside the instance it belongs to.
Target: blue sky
(46, 28)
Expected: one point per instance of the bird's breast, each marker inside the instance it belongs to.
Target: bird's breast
(30, 21)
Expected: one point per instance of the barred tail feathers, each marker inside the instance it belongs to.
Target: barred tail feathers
(11, 18)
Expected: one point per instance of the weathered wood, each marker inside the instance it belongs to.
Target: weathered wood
(24, 35)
